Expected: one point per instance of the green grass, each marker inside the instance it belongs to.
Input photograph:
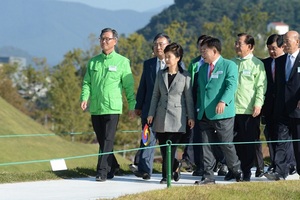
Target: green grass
(27, 158)
(238, 191)
(40, 149)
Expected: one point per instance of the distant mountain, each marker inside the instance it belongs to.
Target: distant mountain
(52, 28)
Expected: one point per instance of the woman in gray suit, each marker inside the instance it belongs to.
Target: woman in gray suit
(171, 105)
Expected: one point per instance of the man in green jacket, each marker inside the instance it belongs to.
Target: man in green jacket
(217, 82)
(249, 99)
(107, 75)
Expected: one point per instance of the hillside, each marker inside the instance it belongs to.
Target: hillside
(197, 12)
(52, 28)
(17, 146)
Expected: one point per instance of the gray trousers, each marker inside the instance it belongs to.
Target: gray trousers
(224, 130)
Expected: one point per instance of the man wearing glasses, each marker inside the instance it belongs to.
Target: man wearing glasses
(106, 76)
(143, 163)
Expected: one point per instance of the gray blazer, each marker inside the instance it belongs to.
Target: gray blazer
(170, 107)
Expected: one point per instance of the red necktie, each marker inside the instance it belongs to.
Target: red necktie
(211, 69)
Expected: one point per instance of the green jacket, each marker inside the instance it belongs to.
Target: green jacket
(105, 78)
(220, 87)
(252, 84)
(193, 67)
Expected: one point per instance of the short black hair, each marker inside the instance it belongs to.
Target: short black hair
(115, 33)
(160, 35)
(202, 37)
(212, 42)
(176, 49)
(249, 39)
(275, 38)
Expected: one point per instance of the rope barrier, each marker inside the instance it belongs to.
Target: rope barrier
(141, 148)
(169, 144)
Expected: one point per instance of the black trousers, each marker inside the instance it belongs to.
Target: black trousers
(246, 128)
(270, 135)
(295, 130)
(162, 139)
(105, 127)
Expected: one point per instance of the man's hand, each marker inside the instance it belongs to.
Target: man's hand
(83, 105)
(138, 112)
(191, 123)
(131, 114)
(256, 111)
(220, 107)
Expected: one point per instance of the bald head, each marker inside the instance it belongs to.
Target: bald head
(291, 41)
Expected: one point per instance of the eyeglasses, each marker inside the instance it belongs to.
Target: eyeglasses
(105, 39)
(160, 44)
(239, 44)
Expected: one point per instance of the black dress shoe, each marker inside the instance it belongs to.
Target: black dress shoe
(146, 176)
(198, 172)
(133, 167)
(176, 174)
(229, 176)
(292, 170)
(100, 179)
(247, 176)
(273, 176)
(205, 181)
(223, 170)
(143, 175)
(238, 175)
(163, 181)
(259, 173)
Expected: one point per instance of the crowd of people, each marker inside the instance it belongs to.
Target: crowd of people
(214, 100)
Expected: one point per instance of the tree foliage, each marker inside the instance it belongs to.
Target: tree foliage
(183, 22)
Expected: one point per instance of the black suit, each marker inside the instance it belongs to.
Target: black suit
(268, 109)
(144, 158)
(287, 115)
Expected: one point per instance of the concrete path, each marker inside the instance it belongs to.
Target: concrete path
(89, 189)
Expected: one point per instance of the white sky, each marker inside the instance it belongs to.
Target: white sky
(137, 5)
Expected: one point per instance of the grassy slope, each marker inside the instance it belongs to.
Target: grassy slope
(16, 149)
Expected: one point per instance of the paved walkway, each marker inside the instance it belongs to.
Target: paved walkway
(89, 189)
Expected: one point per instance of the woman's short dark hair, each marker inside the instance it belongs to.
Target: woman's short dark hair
(176, 49)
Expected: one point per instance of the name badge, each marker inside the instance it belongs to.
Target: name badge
(215, 75)
(246, 72)
(112, 68)
(298, 69)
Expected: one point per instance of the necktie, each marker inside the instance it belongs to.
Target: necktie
(159, 66)
(273, 69)
(211, 69)
(288, 67)
(162, 64)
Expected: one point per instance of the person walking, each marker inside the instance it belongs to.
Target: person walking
(143, 164)
(217, 82)
(106, 76)
(171, 105)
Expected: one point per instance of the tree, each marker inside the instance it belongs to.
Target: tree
(251, 21)
(65, 96)
(8, 89)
